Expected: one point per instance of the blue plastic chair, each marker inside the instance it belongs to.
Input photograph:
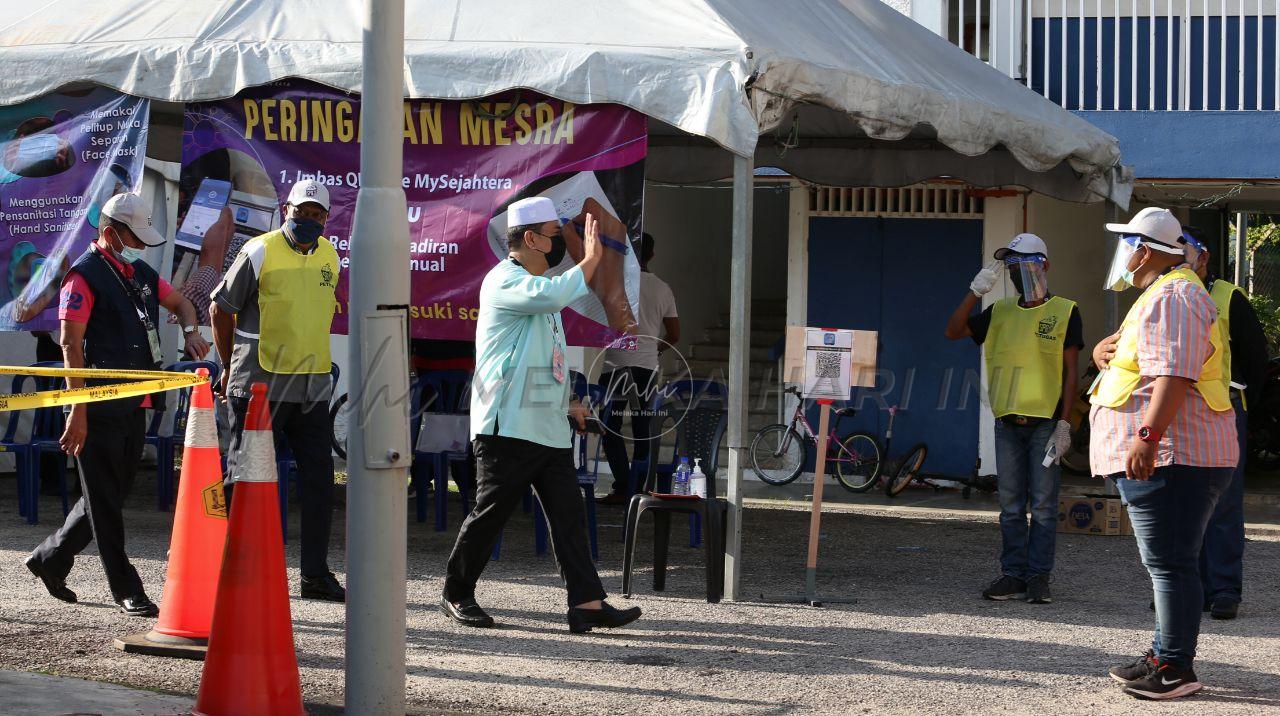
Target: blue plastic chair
(447, 392)
(47, 425)
(286, 465)
(26, 464)
(165, 444)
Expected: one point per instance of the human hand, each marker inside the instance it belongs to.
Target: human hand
(579, 413)
(197, 347)
(220, 386)
(76, 430)
(986, 279)
(1141, 460)
(213, 250)
(1105, 351)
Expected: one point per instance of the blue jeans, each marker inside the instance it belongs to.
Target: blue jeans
(1222, 556)
(1025, 483)
(1169, 513)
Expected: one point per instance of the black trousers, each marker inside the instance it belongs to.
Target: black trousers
(626, 389)
(304, 427)
(506, 468)
(108, 464)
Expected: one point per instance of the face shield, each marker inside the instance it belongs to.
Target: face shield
(1194, 251)
(1029, 276)
(1118, 276)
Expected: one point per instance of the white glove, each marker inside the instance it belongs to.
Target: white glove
(1060, 443)
(986, 279)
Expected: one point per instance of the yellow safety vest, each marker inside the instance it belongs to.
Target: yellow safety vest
(1024, 349)
(296, 303)
(1115, 384)
(1221, 295)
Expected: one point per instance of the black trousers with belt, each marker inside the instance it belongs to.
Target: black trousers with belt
(304, 427)
(506, 468)
(108, 464)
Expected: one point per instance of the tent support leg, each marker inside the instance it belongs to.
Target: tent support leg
(739, 367)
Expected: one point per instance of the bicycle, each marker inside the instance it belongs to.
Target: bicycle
(907, 469)
(778, 451)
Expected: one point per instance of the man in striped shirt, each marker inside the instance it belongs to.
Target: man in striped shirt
(1164, 430)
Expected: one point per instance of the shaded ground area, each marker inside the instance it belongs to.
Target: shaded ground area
(918, 641)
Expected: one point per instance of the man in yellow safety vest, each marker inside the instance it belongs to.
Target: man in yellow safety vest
(1031, 343)
(271, 316)
(1162, 427)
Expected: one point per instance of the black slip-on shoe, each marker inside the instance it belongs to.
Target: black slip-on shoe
(607, 617)
(1166, 682)
(57, 587)
(325, 588)
(466, 612)
(138, 606)
(1137, 670)
(1224, 609)
(1038, 590)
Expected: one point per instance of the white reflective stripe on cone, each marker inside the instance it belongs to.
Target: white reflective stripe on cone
(201, 429)
(257, 460)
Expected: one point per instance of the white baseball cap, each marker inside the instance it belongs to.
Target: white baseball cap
(1023, 244)
(1158, 225)
(534, 210)
(309, 191)
(131, 210)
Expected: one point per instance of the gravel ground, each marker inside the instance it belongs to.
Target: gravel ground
(918, 640)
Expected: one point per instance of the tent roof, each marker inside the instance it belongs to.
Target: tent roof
(843, 77)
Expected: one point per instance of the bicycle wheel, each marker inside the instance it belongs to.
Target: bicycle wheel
(907, 470)
(338, 426)
(857, 460)
(777, 454)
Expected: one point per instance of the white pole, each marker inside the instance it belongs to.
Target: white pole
(739, 373)
(378, 453)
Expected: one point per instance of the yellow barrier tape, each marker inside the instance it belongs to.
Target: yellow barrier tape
(145, 383)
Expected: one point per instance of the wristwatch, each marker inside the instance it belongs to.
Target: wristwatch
(188, 330)
(1147, 435)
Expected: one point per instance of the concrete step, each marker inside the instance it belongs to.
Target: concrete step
(708, 351)
(760, 337)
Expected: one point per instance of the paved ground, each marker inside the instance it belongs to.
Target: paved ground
(918, 641)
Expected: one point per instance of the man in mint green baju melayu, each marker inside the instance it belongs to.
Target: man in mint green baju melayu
(519, 417)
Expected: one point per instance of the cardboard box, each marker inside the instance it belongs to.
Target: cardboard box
(1093, 515)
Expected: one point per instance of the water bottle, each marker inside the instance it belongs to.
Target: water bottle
(680, 480)
(698, 480)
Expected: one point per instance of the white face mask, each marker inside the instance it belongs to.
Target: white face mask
(1119, 277)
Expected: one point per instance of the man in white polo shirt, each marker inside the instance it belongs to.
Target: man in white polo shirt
(630, 376)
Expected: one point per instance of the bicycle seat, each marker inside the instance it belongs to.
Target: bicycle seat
(845, 412)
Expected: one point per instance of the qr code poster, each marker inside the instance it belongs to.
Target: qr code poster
(828, 359)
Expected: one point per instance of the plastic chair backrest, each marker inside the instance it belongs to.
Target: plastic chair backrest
(47, 423)
(182, 400)
(700, 432)
(671, 402)
(445, 391)
(11, 427)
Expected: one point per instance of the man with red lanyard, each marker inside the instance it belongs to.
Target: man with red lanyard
(1163, 429)
(110, 308)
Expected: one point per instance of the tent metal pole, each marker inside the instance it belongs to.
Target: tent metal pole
(739, 367)
(378, 451)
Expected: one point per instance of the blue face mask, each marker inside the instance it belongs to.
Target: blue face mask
(128, 254)
(305, 231)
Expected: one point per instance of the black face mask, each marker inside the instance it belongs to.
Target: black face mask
(556, 254)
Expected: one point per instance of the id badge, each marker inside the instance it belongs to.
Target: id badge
(557, 364)
(153, 339)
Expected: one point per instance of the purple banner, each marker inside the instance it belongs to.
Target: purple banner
(61, 157)
(464, 163)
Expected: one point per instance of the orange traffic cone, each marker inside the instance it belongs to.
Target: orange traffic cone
(251, 668)
(195, 550)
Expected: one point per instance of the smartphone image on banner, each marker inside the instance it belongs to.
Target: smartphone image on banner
(206, 207)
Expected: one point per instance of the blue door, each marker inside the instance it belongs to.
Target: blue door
(903, 278)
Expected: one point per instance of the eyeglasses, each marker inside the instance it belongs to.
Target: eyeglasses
(319, 215)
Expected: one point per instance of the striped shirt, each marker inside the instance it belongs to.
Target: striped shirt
(1174, 334)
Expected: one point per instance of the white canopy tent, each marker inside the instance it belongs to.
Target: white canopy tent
(846, 92)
